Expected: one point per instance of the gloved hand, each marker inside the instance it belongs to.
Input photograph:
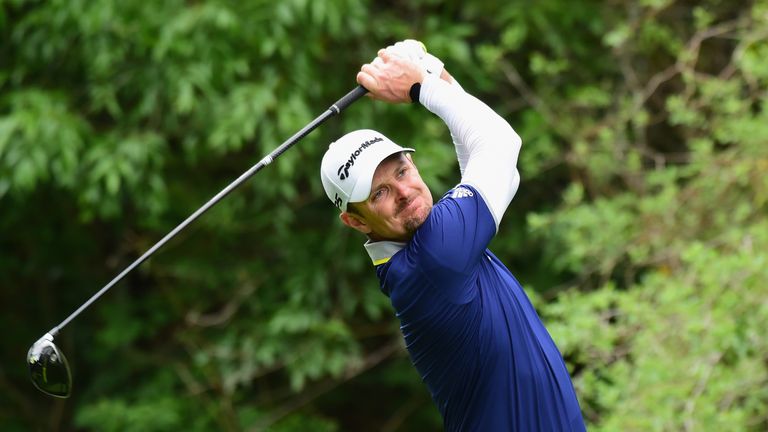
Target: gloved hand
(390, 77)
(416, 52)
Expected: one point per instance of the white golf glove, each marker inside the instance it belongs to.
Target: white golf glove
(417, 53)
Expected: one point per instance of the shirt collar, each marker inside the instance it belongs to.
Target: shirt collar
(381, 251)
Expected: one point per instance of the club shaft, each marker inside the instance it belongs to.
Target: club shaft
(334, 109)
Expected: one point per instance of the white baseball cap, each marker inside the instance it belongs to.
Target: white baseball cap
(350, 162)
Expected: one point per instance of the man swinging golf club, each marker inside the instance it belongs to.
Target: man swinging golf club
(470, 330)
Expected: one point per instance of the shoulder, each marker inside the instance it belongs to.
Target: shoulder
(459, 207)
(459, 192)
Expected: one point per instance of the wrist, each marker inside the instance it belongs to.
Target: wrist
(436, 92)
(415, 92)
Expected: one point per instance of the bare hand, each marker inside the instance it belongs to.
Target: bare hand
(389, 77)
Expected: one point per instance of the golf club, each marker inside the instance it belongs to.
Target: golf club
(48, 367)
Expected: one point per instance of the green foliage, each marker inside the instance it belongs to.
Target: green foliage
(40, 140)
(639, 228)
(116, 415)
(672, 257)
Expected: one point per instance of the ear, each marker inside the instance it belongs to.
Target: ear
(355, 222)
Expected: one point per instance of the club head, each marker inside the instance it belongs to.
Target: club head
(48, 368)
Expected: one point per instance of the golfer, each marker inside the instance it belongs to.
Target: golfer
(469, 328)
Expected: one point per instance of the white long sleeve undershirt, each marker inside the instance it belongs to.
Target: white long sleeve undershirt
(486, 145)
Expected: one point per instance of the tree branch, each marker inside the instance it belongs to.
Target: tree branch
(308, 396)
(222, 316)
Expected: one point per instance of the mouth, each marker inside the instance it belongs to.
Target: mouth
(409, 206)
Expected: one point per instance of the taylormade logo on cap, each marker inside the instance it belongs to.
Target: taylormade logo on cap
(350, 162)
(343, 171)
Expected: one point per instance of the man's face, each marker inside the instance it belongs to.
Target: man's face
(399, 202)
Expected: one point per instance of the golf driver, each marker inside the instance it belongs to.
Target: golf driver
(48, 367)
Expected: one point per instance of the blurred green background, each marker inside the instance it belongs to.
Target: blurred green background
(639, 230)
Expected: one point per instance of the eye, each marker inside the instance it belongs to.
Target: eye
(402, 171)
(377, 195)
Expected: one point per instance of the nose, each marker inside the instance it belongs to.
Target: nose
(401, 191)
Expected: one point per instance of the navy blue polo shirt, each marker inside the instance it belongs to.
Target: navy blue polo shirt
(471, 331)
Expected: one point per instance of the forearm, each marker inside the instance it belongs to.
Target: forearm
(486, 145)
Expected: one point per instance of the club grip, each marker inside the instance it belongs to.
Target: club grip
(348, 99)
